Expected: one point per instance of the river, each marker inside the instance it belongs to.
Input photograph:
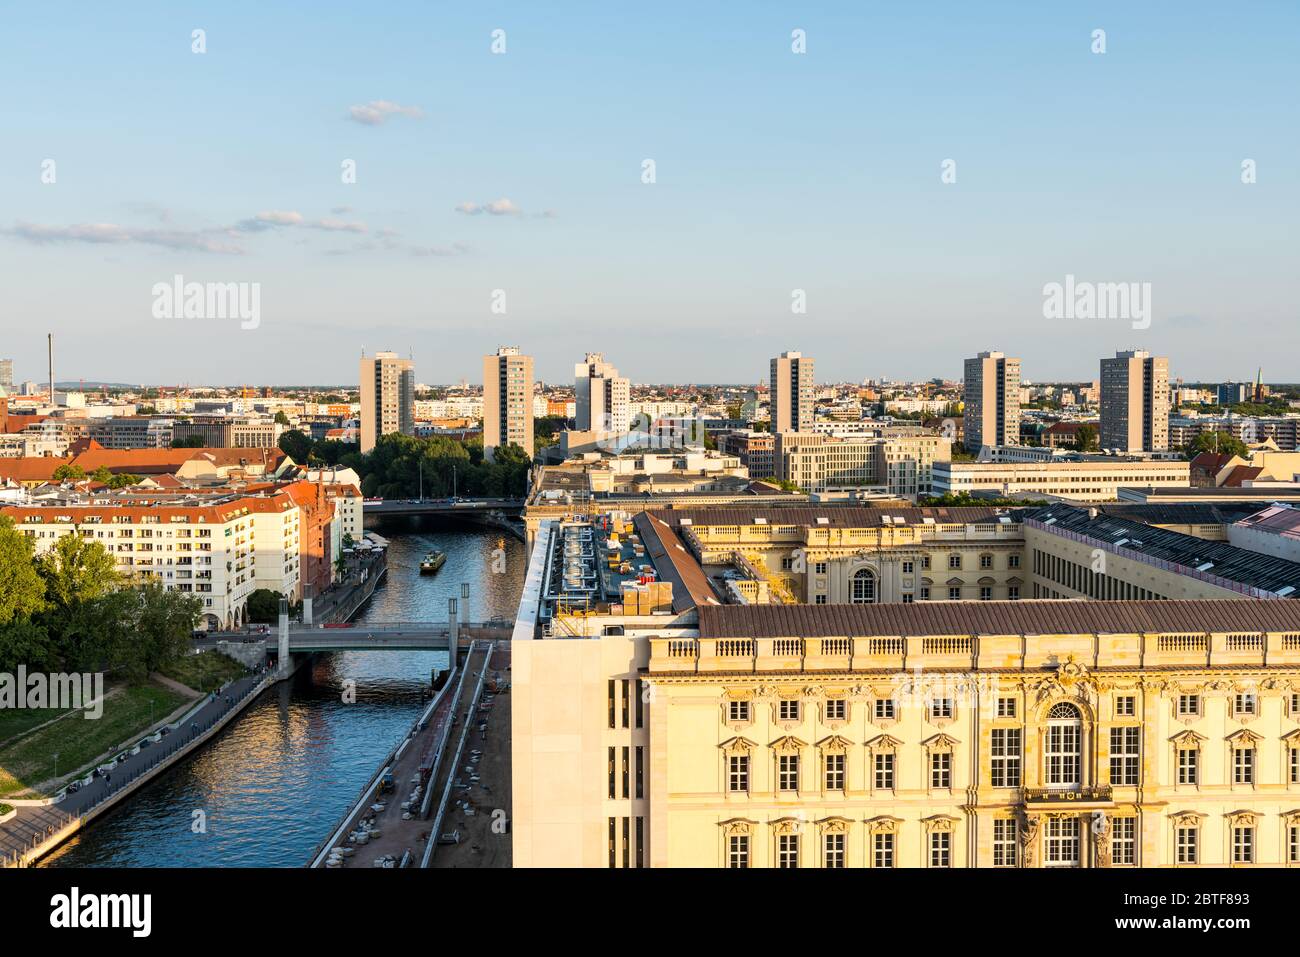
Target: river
(280, 776)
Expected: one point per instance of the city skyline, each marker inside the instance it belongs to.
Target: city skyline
(782, 179)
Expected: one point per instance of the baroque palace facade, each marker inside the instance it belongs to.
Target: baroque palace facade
(750, 727)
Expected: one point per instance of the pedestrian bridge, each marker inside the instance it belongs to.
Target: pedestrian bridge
(389, 636)
(441, 506)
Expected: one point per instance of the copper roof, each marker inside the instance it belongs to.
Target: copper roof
(1039, 617)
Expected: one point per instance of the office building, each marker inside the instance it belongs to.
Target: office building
(507, 401)
(601, 397)
(991, 399)
(7, 375)
(791, 397)
(1135, 402)
(387, 397)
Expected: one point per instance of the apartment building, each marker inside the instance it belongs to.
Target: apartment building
(756, 451)
(507, 401)
(387, 397)
(793, 384)
(601, 396)
(229, 432)
(1089, 480)
(991, 395)
(134, 432)
(1135, 402)
(900, 465)
(1283, 431)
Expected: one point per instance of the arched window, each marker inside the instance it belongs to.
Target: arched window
(864, 587)
(1062, 751)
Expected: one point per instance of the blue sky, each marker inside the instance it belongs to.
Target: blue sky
(774, 172)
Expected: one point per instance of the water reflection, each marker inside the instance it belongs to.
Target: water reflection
(284, 772)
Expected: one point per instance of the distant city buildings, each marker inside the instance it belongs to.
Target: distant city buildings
(7, 374)
(507, 401)
(992, 401)
(1135, 402)
(387, 397)
(792, 391)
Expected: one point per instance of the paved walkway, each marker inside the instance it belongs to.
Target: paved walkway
(32, 825)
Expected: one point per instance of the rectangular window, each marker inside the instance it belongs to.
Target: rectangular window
(986, 561)
(986, 593)
(787, 850)
(925, 563)
(954, 593)
(611, 702)
(627, 841)
(640, 707)
(612, 785)
(613, 845)
(1243, 765)
(1186, 845)
(837, 709)
(640, 771)
(819, 599)
(835, 772)
(1126, 705)
(788, 771)
(627, 694)
(1013, 592)
(1005, 840)
(1293, 765)
(1125, 765)
(885, 710)
(626, 770)
(941, 770)
(908, 567)
(1189, 705)
(738, 711)
(1006, 707)
(1188, 765)
(738, 850)
(1013, 561)
(833, 850)
(925, 593)
(885, 772)
(640, 842)
(1244, 703)
(883, 847)
(940, 708)
(1123, 841)
(940, 849)
(954, 561)
(819, 568)
(1293, 844)
(1243, 845)
(788, 709)
(1004, 763)
(738, 773)
(1062, 841)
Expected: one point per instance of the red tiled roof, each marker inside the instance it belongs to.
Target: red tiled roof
(1240, 474)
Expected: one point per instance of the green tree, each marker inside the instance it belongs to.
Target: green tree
(75, 571)
(22, 590)
(280, 418)
(165, 620)
(1085, 438)
(26, 642)
(102, 475)
(297, 445)
(264, 606)
(189, 442)
(69, 473)
(1223, 443)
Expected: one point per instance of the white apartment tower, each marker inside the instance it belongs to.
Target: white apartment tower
(791, 398)
(507, 401)
(601, 396)
(1135, 402)
(387, 397)
(991, 401)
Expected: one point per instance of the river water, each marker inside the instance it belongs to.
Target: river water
(274, 783)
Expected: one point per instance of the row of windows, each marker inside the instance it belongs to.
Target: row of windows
(627, 842)
(625, 704)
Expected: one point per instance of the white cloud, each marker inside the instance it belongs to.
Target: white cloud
(113, 234)
(377, 112)
(497, 207)
(454, 249)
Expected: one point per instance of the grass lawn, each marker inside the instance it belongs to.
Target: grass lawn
(16, 721)
(205, 671)
(28, 762)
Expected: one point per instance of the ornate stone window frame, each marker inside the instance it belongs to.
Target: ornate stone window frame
(882, 744)
(939, 744)
(889, 694)
(737, 747)
(1241, 818)
(1186, 819)
(834, 825)
(1290, 819)
(836, 694)
(737, 694)
(735, 827)
(1187, 741)
(787, 745)
(1245, 717)
(833, 744)
(788, 724)
(784, 827)
(1241, 739)
(940, 824)
(883, 824)
(1195, 691)
(944, 692)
